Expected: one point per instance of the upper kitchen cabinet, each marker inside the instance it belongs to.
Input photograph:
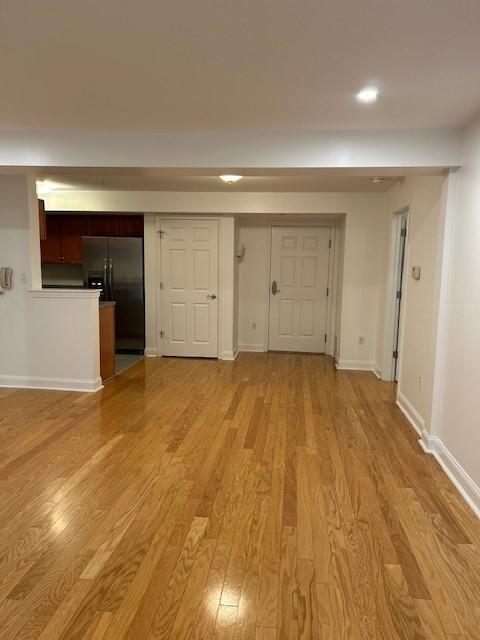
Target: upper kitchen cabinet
(51, 246)
(63, 242)
(103, 225)
(130, 226)
(73, 228)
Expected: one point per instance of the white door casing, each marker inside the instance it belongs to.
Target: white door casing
(298, 311)
(189, 302)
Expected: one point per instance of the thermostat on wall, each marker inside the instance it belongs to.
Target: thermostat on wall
(416, 272)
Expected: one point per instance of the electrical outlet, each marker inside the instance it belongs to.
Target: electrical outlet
(361, 340)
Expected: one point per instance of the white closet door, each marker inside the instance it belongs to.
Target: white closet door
(189, 257)
(298, 288)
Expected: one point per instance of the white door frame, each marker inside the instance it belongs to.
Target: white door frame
(388, 361)
(177, 218)
(332, 279)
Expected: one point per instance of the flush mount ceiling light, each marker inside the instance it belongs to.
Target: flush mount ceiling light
(230, 178)
(45, 186)
(377, 179)
(367, 95)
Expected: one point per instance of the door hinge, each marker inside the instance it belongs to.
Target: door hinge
(328, 290)
(162, 334)
(403, 232)
(325, 338)
(399, 295)
(395, 354)
(161, 285)
(330, 243)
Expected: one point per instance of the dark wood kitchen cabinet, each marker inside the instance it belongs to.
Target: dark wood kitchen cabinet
(51, 247)
(63, 242)
(130, 226)
(104, 225)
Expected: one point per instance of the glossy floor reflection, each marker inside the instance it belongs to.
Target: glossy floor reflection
(270, 497)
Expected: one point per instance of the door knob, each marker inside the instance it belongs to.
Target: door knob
(211, 296)
(275, 288)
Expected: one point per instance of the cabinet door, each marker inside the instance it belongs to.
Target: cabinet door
(52, 245)
(130, 226)
(103, 225)
(73, 228)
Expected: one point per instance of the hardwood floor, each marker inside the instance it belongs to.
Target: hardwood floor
(270, 497)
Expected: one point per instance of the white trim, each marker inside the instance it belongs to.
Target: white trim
(355, 365)
(65, 293)
(150, 352)
(377, 370)
(257, 348)
(54, 384)
(466, 486)
(409, 411)
(228, 355)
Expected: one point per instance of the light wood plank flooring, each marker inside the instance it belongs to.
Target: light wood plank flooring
(271, 497)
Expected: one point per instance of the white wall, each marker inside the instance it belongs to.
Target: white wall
(47, 339)
(458, 424)
(364, 256)
(425, 198)
(368, 148)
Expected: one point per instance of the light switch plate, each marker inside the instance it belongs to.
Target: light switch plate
(416, 273)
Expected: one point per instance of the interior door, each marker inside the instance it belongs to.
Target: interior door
(189, 259)
(298, 288)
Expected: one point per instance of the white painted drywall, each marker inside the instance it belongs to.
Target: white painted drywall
(331, 149)
(46, 340)
(458, 425)
(424, 197)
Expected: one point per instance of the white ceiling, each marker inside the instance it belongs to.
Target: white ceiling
(185, 65)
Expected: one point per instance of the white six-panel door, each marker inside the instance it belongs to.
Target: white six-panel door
(298, 308)
(189, 302)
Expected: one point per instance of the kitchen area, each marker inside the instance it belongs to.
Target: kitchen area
(104, 252)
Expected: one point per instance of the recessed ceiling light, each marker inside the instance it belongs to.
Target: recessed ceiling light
(369, 94)
(230, 179)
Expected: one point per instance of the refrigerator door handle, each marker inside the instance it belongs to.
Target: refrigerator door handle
(110, 278)
(105, 279)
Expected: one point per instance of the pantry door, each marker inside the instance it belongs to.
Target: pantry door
(299, 263)
(189, 287)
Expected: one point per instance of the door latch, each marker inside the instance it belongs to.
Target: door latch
(275, 288)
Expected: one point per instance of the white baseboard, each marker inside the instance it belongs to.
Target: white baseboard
(150, 352)
(355, 365)
(228, 355)
(467, 487)
(53, 384)
(409, 411)
(377, 371)
(257, 348)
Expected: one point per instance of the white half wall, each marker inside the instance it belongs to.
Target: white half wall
(48, 339)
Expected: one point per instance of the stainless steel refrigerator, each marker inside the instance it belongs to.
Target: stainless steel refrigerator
(115, 266)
